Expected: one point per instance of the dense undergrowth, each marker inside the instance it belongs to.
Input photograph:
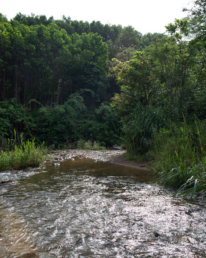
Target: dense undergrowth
(179, 156)
(176, 153)
(27, 154)
(61, 126)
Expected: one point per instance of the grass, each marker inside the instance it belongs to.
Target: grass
(25, 155)
(177, 156)
(197, 180)
(88, 145)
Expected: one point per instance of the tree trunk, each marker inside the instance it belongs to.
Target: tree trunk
(4, 85)
(16, 83)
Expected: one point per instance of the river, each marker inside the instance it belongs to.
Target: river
(86, 208)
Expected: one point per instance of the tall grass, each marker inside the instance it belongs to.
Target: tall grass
(179, 156)
(175, 150)
(139, 130)
(24, 155)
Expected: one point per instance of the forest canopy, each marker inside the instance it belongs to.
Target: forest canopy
(46, 64)
(48, 60)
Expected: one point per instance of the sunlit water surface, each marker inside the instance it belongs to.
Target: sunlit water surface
(91, 209)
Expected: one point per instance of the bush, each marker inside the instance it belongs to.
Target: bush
(12, 116)
(88, 145)
(72, 122)
(61, 124)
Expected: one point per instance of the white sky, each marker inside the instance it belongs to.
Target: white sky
(144, 15)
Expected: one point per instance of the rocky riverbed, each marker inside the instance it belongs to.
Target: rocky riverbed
(79, 203)
(90, 208)
(113, 156)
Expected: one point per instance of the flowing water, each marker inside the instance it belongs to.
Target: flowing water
(91, 209)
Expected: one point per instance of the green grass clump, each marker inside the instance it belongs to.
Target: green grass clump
(97, 146)
(87, 145)
(197, 180)
(25, 155)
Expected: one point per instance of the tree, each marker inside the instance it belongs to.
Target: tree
(197, 16)
(129, 37)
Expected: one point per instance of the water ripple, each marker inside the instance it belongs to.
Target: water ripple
(86, 209)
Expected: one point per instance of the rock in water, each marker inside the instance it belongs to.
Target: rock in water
(156, 234)
(55, 164)
(115, 147)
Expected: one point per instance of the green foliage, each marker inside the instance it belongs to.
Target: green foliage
(24, 155)
(197, 19)
(69, 122)
(60, 123)
(167, 80)
(58, 71)
(88, 145)
(196, 183)
(43, 63)
(97, 146)
(179, 155)
(12, 117)
(140, 129)
(80, 144)
(46, 60)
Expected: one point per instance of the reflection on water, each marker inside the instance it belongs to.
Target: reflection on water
(84, 208)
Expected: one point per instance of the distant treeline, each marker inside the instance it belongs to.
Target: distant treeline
(43, 61)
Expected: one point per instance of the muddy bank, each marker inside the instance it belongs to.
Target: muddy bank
(112, 156)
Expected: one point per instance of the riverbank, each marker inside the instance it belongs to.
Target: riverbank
(112, 156)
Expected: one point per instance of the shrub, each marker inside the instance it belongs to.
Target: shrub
(87, 145)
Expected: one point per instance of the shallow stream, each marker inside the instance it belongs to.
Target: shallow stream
(84, 208)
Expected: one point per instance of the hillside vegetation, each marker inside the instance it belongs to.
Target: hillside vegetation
(162, 103)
